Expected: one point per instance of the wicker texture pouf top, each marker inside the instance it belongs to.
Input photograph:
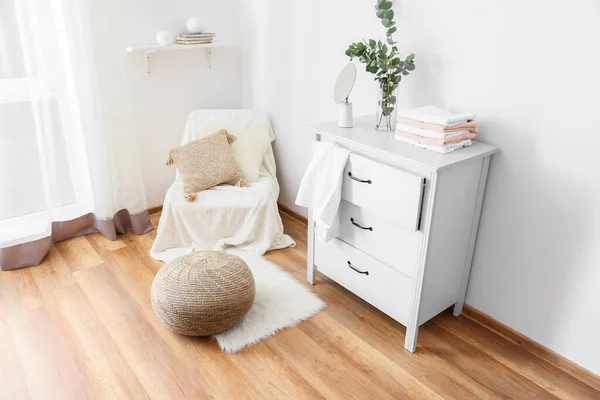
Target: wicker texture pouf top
(203, 293)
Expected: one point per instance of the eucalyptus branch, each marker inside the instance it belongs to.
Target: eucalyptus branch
(383, 59)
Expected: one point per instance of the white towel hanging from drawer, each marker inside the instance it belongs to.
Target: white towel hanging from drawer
(321, 187)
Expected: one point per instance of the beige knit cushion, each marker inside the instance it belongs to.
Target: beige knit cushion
(206, 162)
(203, 293)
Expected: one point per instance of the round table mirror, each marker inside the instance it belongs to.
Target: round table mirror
(344, 84)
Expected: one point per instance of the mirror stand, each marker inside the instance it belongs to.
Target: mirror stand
(346, 118)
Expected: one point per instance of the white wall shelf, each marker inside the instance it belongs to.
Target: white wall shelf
(153, 48)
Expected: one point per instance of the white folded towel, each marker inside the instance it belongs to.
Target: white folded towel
(447, 148)
(321, 187)
(435, 115)
(430, 134)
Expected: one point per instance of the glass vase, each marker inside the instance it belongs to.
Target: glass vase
(386, 108)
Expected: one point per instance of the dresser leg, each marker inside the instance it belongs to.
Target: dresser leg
(310, 265)
(310, 274)
(410, 343)
(458, 307)
(310, 261)
(310, 255)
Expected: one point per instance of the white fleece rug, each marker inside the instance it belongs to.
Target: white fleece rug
(281, 302)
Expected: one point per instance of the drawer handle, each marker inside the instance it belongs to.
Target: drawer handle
(358, 180)
(360, 226)
(357, 270)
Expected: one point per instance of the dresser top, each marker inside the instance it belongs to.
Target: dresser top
(364, 133)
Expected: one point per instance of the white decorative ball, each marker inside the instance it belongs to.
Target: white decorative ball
(165, 38)
(194, 25)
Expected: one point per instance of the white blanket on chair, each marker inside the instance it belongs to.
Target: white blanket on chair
(224, 216)
(221, 217)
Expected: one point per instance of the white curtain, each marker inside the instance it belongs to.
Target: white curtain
(62, 154)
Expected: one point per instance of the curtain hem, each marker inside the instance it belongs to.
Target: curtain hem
(32, 253)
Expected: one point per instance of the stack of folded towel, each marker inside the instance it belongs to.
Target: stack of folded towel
(435, 129)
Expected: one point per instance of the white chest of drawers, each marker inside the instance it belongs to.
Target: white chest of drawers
(409, 220)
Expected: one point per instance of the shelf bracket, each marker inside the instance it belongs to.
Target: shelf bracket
(209, 57)
(147, 63)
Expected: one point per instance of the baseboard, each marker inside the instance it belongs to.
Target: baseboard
(292, 214)
(532, 347)
(155, 210)
(288, 211)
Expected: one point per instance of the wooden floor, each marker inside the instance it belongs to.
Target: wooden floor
(81, 326)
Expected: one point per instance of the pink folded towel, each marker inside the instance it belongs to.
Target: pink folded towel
(470, 125)
(435, 142)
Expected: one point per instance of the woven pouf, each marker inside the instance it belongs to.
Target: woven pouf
(203, 293)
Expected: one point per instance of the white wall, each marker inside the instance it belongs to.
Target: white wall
(179, 82)
(531, 71)
(528, 70)
(292, 54)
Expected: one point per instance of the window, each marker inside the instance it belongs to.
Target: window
(21, 170)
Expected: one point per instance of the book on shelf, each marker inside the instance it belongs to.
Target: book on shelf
(191, 39)
(202, 35)
(178, 41)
